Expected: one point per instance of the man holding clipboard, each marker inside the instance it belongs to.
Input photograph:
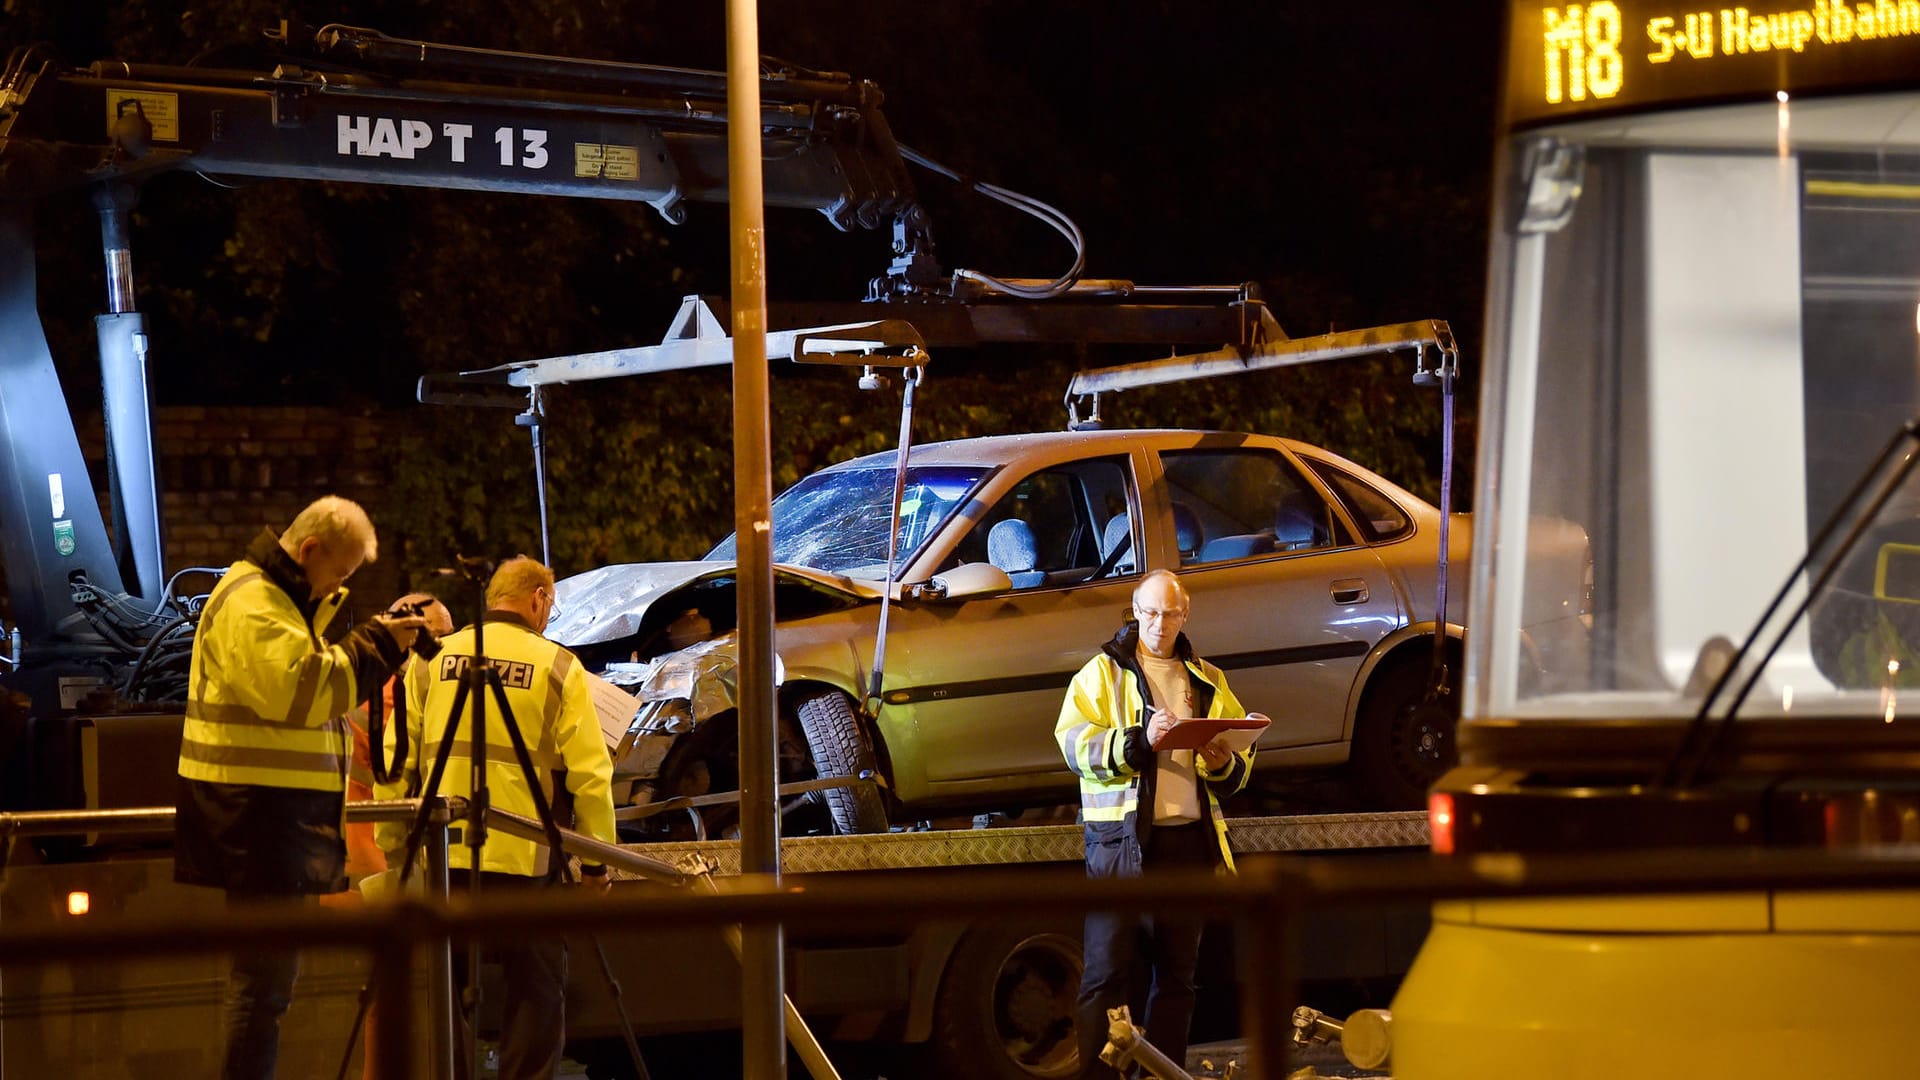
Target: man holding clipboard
(1150, 783)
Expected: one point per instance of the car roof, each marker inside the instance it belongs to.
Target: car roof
(1045, 445)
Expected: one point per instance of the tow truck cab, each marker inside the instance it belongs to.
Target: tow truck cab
(1702, 342)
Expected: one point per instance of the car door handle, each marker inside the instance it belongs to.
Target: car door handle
(1349, 591)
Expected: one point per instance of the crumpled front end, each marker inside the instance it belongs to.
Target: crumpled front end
(677, 691)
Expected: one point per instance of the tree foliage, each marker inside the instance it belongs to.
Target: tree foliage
(1190, 150)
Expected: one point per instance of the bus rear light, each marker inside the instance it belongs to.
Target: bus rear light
(79, 902)
(1440, 822)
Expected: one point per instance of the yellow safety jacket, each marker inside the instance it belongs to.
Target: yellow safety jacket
(553, 709)
(263, 752)
(267, 699)
(1102, 733)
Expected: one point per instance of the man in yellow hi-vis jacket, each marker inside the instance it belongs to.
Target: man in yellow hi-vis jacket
(553, 710)
(1141, 808)
(263, 754)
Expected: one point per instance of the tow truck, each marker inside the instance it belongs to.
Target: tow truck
(92, 603)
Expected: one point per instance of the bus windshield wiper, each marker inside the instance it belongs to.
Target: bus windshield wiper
(1703, 734)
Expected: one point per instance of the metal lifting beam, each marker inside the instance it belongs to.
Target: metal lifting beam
(1236, 360)
(697, 336)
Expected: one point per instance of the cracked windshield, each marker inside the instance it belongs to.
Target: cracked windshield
(837, 520)
(1710, 322)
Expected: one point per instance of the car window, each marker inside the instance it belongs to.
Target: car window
(1051, 527)
(1239, 504)
(837, 520)
(1380, 518)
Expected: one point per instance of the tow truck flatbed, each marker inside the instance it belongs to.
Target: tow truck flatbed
(1014, 845)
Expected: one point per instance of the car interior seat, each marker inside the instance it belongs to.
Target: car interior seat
(1117, 533)
(1239, 546)
(1300, 524)
(1011, 547)
(1187, 533)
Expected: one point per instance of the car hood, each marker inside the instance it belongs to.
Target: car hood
(612, 602)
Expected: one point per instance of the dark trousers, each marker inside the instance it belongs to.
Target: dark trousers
(259, 990)
(533, 1021)
(1164, 949)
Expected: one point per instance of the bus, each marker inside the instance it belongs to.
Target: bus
(1704, 350)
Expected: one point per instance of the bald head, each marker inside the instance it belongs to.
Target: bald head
(1160, 606)
(439, 619)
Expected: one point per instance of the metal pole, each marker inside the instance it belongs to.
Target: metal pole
(1266, 950)
(799, 1035)
(440, 960)
(762, 978)
(393, 997)
(535, 420)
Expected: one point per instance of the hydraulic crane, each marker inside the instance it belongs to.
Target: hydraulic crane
(347, 104)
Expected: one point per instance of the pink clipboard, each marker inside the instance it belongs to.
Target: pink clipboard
(1196, 733)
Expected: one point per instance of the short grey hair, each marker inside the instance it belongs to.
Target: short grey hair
(338, 523)
(517, 579)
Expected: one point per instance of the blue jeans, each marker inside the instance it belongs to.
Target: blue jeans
(259, 989)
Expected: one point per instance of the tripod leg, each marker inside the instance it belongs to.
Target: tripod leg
(416, 834)
(542, 809)
(431, 790)
(620, 1006)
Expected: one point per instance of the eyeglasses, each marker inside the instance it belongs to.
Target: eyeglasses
(1148, 614)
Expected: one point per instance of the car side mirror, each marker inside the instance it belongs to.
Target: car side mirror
(966, 582)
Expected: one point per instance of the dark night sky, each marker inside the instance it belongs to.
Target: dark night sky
(1336, 153)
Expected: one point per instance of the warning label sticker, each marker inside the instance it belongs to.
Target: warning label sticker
(161, 110)
(606, 161)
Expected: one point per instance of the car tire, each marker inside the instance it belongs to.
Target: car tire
(1007, 1004)
(1404, 737)
(840, 748)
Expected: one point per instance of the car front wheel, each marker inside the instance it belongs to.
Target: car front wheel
(840, 748)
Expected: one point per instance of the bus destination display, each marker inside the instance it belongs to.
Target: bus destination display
(1571, 59)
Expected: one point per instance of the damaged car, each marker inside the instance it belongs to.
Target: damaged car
(1312, 583)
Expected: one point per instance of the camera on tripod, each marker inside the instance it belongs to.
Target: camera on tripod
(425, 645)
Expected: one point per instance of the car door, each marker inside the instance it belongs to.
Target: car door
(973, 688)
(1282, 597)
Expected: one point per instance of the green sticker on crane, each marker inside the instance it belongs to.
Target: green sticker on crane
(63, 541)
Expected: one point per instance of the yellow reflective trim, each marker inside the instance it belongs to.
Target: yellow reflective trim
(332, 738)
(342, 689)
(1105, 813)
(213, 712)
(304, 690)
(259, 757)
(498, 753)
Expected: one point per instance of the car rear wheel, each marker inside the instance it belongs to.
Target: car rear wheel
(1404, 736)
(840, 748)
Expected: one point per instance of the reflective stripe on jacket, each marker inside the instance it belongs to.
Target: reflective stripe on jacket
(1108, 698)
(267, 698)
(553, 710)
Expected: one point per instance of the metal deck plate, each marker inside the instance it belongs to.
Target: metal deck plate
(1045, 843)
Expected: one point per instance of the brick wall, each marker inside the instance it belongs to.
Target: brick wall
(224, 472)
